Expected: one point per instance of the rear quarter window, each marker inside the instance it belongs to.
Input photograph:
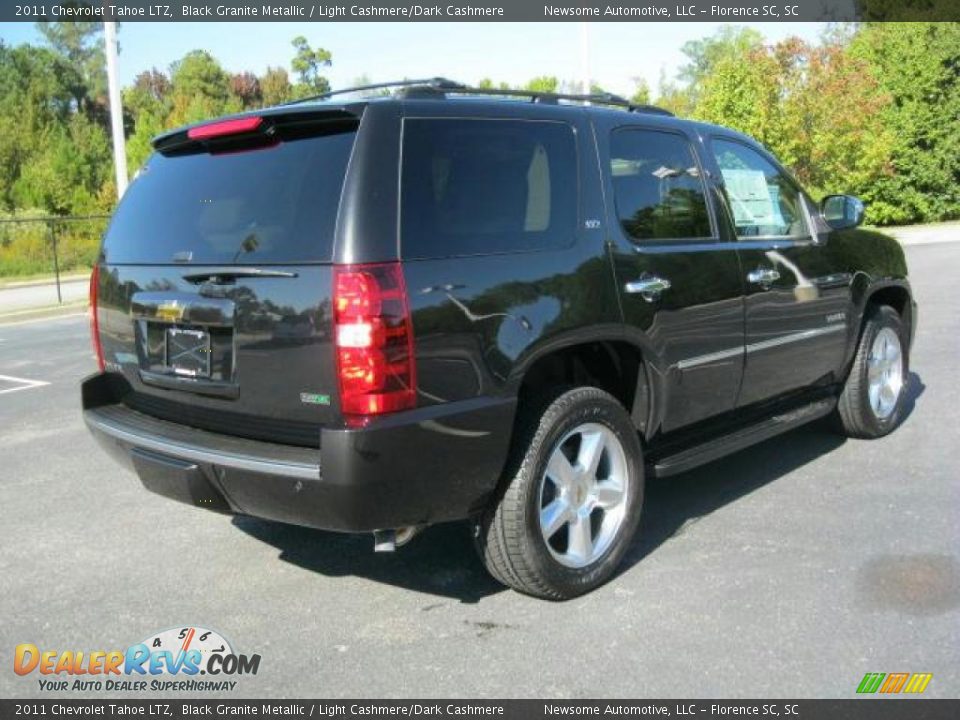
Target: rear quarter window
(269, 205)
(477, 186)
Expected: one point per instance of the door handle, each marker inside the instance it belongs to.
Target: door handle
(763, 276)
(649, 287)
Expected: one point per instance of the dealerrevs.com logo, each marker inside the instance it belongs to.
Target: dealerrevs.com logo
(190, 659)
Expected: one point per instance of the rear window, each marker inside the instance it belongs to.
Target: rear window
(471, 187)
(269, 205)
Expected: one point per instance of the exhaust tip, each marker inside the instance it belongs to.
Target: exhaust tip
(390, 540)
(384, 540)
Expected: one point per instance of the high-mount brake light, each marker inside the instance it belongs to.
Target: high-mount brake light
(223, 128)
(374, 339)
(94, 320)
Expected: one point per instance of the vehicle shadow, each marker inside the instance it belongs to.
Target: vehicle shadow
(441, 560)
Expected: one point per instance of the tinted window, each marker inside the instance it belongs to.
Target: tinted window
(270, 205)
(657, 186)
(763, 200)
(483, 186)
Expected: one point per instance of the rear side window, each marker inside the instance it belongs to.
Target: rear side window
(471, 187)
(269, 205)
(657, 186)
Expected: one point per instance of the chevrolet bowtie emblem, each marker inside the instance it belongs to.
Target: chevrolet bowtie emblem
(170, 311)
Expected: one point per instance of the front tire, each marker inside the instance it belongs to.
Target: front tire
(571, 502)
(871, 403)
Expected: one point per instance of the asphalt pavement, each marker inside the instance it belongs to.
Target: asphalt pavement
(787, 570)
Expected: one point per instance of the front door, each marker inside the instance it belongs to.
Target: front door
(680, 283)
(797, 306)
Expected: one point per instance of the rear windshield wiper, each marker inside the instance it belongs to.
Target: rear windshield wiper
(230, 274)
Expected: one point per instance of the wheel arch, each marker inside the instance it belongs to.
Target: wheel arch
(894, 293)
(610, 362)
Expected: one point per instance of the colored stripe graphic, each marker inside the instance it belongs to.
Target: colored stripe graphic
(871, 682)
(894, 682)
(918, 682)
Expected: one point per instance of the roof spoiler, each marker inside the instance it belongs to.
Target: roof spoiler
(255, 129)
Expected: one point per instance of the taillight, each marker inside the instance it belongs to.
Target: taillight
(94, 320)
(223, 128)
(374, 339)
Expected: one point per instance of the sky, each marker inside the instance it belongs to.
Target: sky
(467, 52)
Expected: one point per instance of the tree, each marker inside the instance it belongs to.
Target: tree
(641, 92)
(36, 95)
(199, 88)
(542, 84)
(488, 84)
(80, 44)
(743, 92)
(704, 55)
(275, 86)
(306, 64)
(67, 173)
(918, 64)
(150, 93)
(246, 87)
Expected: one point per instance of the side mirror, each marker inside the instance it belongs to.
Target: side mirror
(842, 212)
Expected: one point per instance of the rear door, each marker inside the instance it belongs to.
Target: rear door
(680, 281)
(215, 278)
(797, 304)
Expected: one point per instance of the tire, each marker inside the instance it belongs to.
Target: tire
(546, 480)
(862, 412)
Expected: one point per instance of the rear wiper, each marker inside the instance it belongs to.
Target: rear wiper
(219, 275)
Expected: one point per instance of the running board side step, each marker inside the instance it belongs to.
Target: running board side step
(739, 439)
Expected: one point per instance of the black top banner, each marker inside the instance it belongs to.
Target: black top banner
(487, 11)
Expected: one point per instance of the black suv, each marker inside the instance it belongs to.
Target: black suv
(447, 304)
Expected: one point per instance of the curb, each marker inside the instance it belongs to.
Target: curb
(50, 311)
(64, 279)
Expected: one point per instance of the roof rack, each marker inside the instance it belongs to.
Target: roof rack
(441, 87)
(553, 98)
(435, 83)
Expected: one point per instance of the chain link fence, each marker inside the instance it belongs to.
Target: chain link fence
(36, 245)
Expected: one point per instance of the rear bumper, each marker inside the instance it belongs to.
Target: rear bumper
(423, 466)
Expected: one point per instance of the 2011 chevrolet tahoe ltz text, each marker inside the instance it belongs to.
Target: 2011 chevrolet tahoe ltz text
(371, 315)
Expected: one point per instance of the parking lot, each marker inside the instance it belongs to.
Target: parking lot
(787, 570)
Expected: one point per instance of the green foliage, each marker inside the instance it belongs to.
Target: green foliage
(275, 86)
(641, 92)
(918, 65)
(26, 248)
(80, 44)
(306, 64)
(65, 174)
(543, 84)
(703, 56)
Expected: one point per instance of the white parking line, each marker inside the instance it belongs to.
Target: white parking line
(24, 384)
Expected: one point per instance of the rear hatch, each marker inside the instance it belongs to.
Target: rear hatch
(214, 289)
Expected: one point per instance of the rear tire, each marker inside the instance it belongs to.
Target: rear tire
(571, 499)
(871, 403)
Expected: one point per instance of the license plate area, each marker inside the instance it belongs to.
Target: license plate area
(154, 355)
(187, 352)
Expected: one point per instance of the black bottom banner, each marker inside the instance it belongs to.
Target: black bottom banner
(854, 709)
